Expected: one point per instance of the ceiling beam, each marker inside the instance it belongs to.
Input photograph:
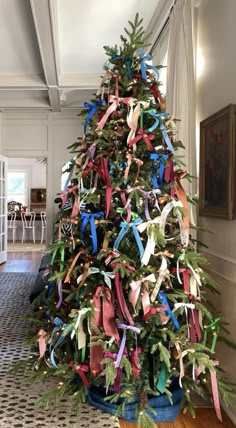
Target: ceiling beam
(41, 12)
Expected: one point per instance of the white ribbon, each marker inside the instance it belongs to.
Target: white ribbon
(133, 117)
(186, 306)
(107, 275)
(82, 313)
(163, 273)
(181, 364)
(165, 212)
(151, 243)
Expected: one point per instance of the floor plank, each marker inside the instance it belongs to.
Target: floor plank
(206, 418)
(22, 262)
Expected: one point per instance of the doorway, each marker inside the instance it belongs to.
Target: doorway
(26, 194)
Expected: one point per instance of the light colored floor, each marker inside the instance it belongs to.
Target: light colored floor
(22, 262)
(25, 247)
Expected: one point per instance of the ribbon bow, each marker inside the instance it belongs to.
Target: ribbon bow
(125, 228)
(162, 158)
(107, 275)
(92, 108)
(125, 327)
(145, 66)
(82, 314)
(133, 116)
(135, 292)
(143, 136)
(90, 218)
(81, 370)
(58, 325)
(114, 101)
(158, 122)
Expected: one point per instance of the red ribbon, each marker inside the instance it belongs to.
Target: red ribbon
(119, 291)
(153, 311)
(102, 170)
(81, 370)
(89, 167)
(134, 359)
(185, 273)
(113, 355)
(142, 136)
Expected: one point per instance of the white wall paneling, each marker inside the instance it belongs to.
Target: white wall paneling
(42, 135)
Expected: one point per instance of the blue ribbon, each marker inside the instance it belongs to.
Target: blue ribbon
(92, 108)
(144, 66)
(125, 228)
(162, 158)
(58, 324)
(158, 122)
(90, 218)
(72, 164)
(165, 302)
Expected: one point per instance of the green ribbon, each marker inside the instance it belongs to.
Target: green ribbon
(161, 384)
(214, 326)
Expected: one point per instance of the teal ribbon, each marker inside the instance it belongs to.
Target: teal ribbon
(89, 218)
(145, 66)
(58, 325)
(125, 228)
(158, 122)
(128, 60)
(161, 384)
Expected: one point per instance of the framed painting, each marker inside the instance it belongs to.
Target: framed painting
(217, 164)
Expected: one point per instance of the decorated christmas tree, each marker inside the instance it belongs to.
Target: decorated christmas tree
(124, 316)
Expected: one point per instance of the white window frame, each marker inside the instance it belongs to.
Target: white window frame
(27, 171)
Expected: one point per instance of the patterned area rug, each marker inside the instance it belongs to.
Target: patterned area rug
(17, 398)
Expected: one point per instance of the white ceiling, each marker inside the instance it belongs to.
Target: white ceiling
(52, 50)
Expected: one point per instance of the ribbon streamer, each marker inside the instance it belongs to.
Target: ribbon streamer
(163, 273)
(151, 242)
(123, 342)
(158, 122)
(214, 387)
(119, 291)
(161, 384)
(78, 327)
(164, 301)
(135, 363)
(135, 292)
(160, 174)
(42, 336)
(113, 355)
(90, 218)
(104, 314)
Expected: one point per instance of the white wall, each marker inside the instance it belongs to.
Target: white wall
(216, 88)
(33, 135)
(37, 178)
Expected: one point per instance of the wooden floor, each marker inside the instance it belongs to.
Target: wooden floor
(22, 262)
(206, 418)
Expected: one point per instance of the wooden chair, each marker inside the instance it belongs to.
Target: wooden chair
(43, 224)
(11, 215)
(28, 223)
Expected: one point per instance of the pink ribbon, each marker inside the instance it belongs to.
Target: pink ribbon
(114, 101)
(75, 209)
(104, 314)
(185, 272)
(125, 202)
(81, 370)
(145, 137)
(134, 295)
(195, 331)
(214, 387)
(153, 311)
(42, 334)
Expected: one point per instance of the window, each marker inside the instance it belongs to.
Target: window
(17, 189)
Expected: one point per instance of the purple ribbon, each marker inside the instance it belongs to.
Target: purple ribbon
(59, 285)
(125, 327)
